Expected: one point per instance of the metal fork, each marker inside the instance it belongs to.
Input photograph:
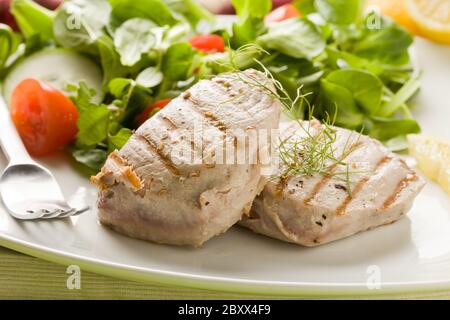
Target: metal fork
(29, 191)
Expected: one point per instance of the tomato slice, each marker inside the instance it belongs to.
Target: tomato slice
(285, 12)
(209, 43)
(44, 117)
(158, 105)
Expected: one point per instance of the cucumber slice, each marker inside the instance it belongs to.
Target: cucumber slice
(55, 67)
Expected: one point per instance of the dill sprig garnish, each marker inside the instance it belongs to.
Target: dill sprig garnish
(314, 152)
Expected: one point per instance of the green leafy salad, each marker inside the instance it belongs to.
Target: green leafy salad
(121, 61)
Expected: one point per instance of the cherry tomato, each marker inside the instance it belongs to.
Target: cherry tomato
(158, 105)
(210, 43)
(282, 13)
(44, 117)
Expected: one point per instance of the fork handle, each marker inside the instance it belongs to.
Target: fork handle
(10, 141)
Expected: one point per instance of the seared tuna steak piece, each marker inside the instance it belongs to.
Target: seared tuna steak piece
(166, 186)
(370, 188)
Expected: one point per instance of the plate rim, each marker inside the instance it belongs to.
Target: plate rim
(218, 284)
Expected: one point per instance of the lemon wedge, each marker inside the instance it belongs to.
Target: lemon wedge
(432, 18)
(433, 158)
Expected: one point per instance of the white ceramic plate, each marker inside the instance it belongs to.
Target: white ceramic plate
(412, 255)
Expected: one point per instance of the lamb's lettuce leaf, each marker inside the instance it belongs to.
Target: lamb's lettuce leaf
(191, 10)
(154, 10)
(177, 61)
(338, 102)
(250, 8)
(91, 160)
(387, 44)
(118, 140)
(251, 24)
(366, 88)
(340, 12)
(298, 38)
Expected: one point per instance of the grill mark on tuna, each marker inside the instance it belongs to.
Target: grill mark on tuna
(195, 150)
(328, 177)
(360, 185)
(171, 124)
(402, 185)
(282, 184)
(210, 118)
(316, 189)
(118, 159)
(166, 161)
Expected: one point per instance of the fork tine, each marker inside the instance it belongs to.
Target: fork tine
(58, 213)
(73, 213)
(52, 214)
(61, 214)
(66, 214)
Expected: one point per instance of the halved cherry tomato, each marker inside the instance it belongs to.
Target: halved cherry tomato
(210, 43)
(282, 13)
(158, 105)
(44, 117)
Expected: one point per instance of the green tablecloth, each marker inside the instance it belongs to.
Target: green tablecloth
(24, 277)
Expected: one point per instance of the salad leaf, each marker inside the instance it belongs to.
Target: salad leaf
(191, 10)
(365, 87)
(178, 61)
(251, 23)
(338, 102)
(10, 43)
(388, 44)
(298, 38)
(131, 99)
(93, 121)
(93, 125)
(339, 11)
(133, 38)
(154, 10)
(93, 159)
(118, 140)
(150, 77)
(247, 31)
(110, 60)
(79, 23)
(33, 19)
(341, 59)
(398, 143)
(384, 129)
(250, 8)
(400, 98)
(305, 6)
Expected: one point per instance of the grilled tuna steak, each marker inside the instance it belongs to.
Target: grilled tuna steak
(160, 187)
(317, 209)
